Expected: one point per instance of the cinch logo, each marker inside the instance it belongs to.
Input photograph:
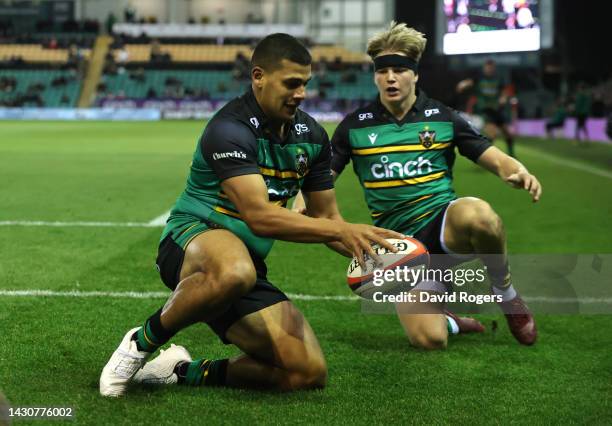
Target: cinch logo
(365, 116)
(234, 154)
(301, 128)
(384, 169)
(430, 112)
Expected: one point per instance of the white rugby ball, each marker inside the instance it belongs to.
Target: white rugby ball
(364, 282)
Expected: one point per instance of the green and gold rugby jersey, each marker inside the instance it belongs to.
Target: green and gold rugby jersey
(488, 91)
(237, 141)
(405, 167)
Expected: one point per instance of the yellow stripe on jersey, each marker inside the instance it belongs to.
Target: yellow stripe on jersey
(399, 148)
(188, 229)
(227, 212)
(283, 174)
(282, 202)
(423, 216)
(409, 203)
(403, 182)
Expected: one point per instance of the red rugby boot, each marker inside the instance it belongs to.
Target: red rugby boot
(466, 324)
(520, 320)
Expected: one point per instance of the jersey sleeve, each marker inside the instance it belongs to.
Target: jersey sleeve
(341, 147)
(470, 142)
(319, 177)
(230, 149)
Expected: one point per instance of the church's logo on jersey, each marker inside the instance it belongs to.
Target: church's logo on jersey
(427, 137)
(372, 137)
(254, 122)
(301, 163)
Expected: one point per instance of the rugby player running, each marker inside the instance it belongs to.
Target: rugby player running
(254, 154)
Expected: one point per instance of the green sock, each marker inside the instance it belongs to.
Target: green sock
(152, 334)
(146, 340)
(202, 372)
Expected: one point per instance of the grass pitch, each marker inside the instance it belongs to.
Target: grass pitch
(53, 348)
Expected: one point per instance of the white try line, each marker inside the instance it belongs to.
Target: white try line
(294, 296)
(160, 220)
(569, 163)
(141, 295)
(157, 222)
(78, 224)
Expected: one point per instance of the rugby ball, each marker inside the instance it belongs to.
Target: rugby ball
(364, 282)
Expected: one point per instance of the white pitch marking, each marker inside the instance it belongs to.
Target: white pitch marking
(85, 294)
(295, 296)
(78, 223)
(160, 220)
(569, 163)
(140, 295)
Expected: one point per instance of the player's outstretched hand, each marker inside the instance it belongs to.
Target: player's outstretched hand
(528, 182)
(358, 238)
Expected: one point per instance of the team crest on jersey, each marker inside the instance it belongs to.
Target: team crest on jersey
(301, 163)
(427, 137)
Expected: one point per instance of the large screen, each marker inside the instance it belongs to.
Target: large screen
(486, 26)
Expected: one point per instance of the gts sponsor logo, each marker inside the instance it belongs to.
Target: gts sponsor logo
(232, 154)
(430, 112)
(385, 169)
(301, 128)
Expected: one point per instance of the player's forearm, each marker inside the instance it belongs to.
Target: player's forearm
(500, 163)
(337, 246)
(282, 224)
(509, 166)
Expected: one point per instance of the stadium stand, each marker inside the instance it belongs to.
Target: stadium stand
(37, 53)
(219, 84)
(50, 88)
(227, 53)
(144, 68)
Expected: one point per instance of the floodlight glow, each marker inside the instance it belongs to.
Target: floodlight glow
(492, 41)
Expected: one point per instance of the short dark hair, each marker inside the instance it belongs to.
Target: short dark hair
(272, 49)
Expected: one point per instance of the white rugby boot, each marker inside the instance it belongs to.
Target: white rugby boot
(160, 371)
(123, 364)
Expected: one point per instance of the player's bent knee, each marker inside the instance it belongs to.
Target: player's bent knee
(429, 340)
(238, 277)
(312, 376)
(485, 221)
(477, 217)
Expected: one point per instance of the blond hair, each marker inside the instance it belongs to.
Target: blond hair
(398, 38)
